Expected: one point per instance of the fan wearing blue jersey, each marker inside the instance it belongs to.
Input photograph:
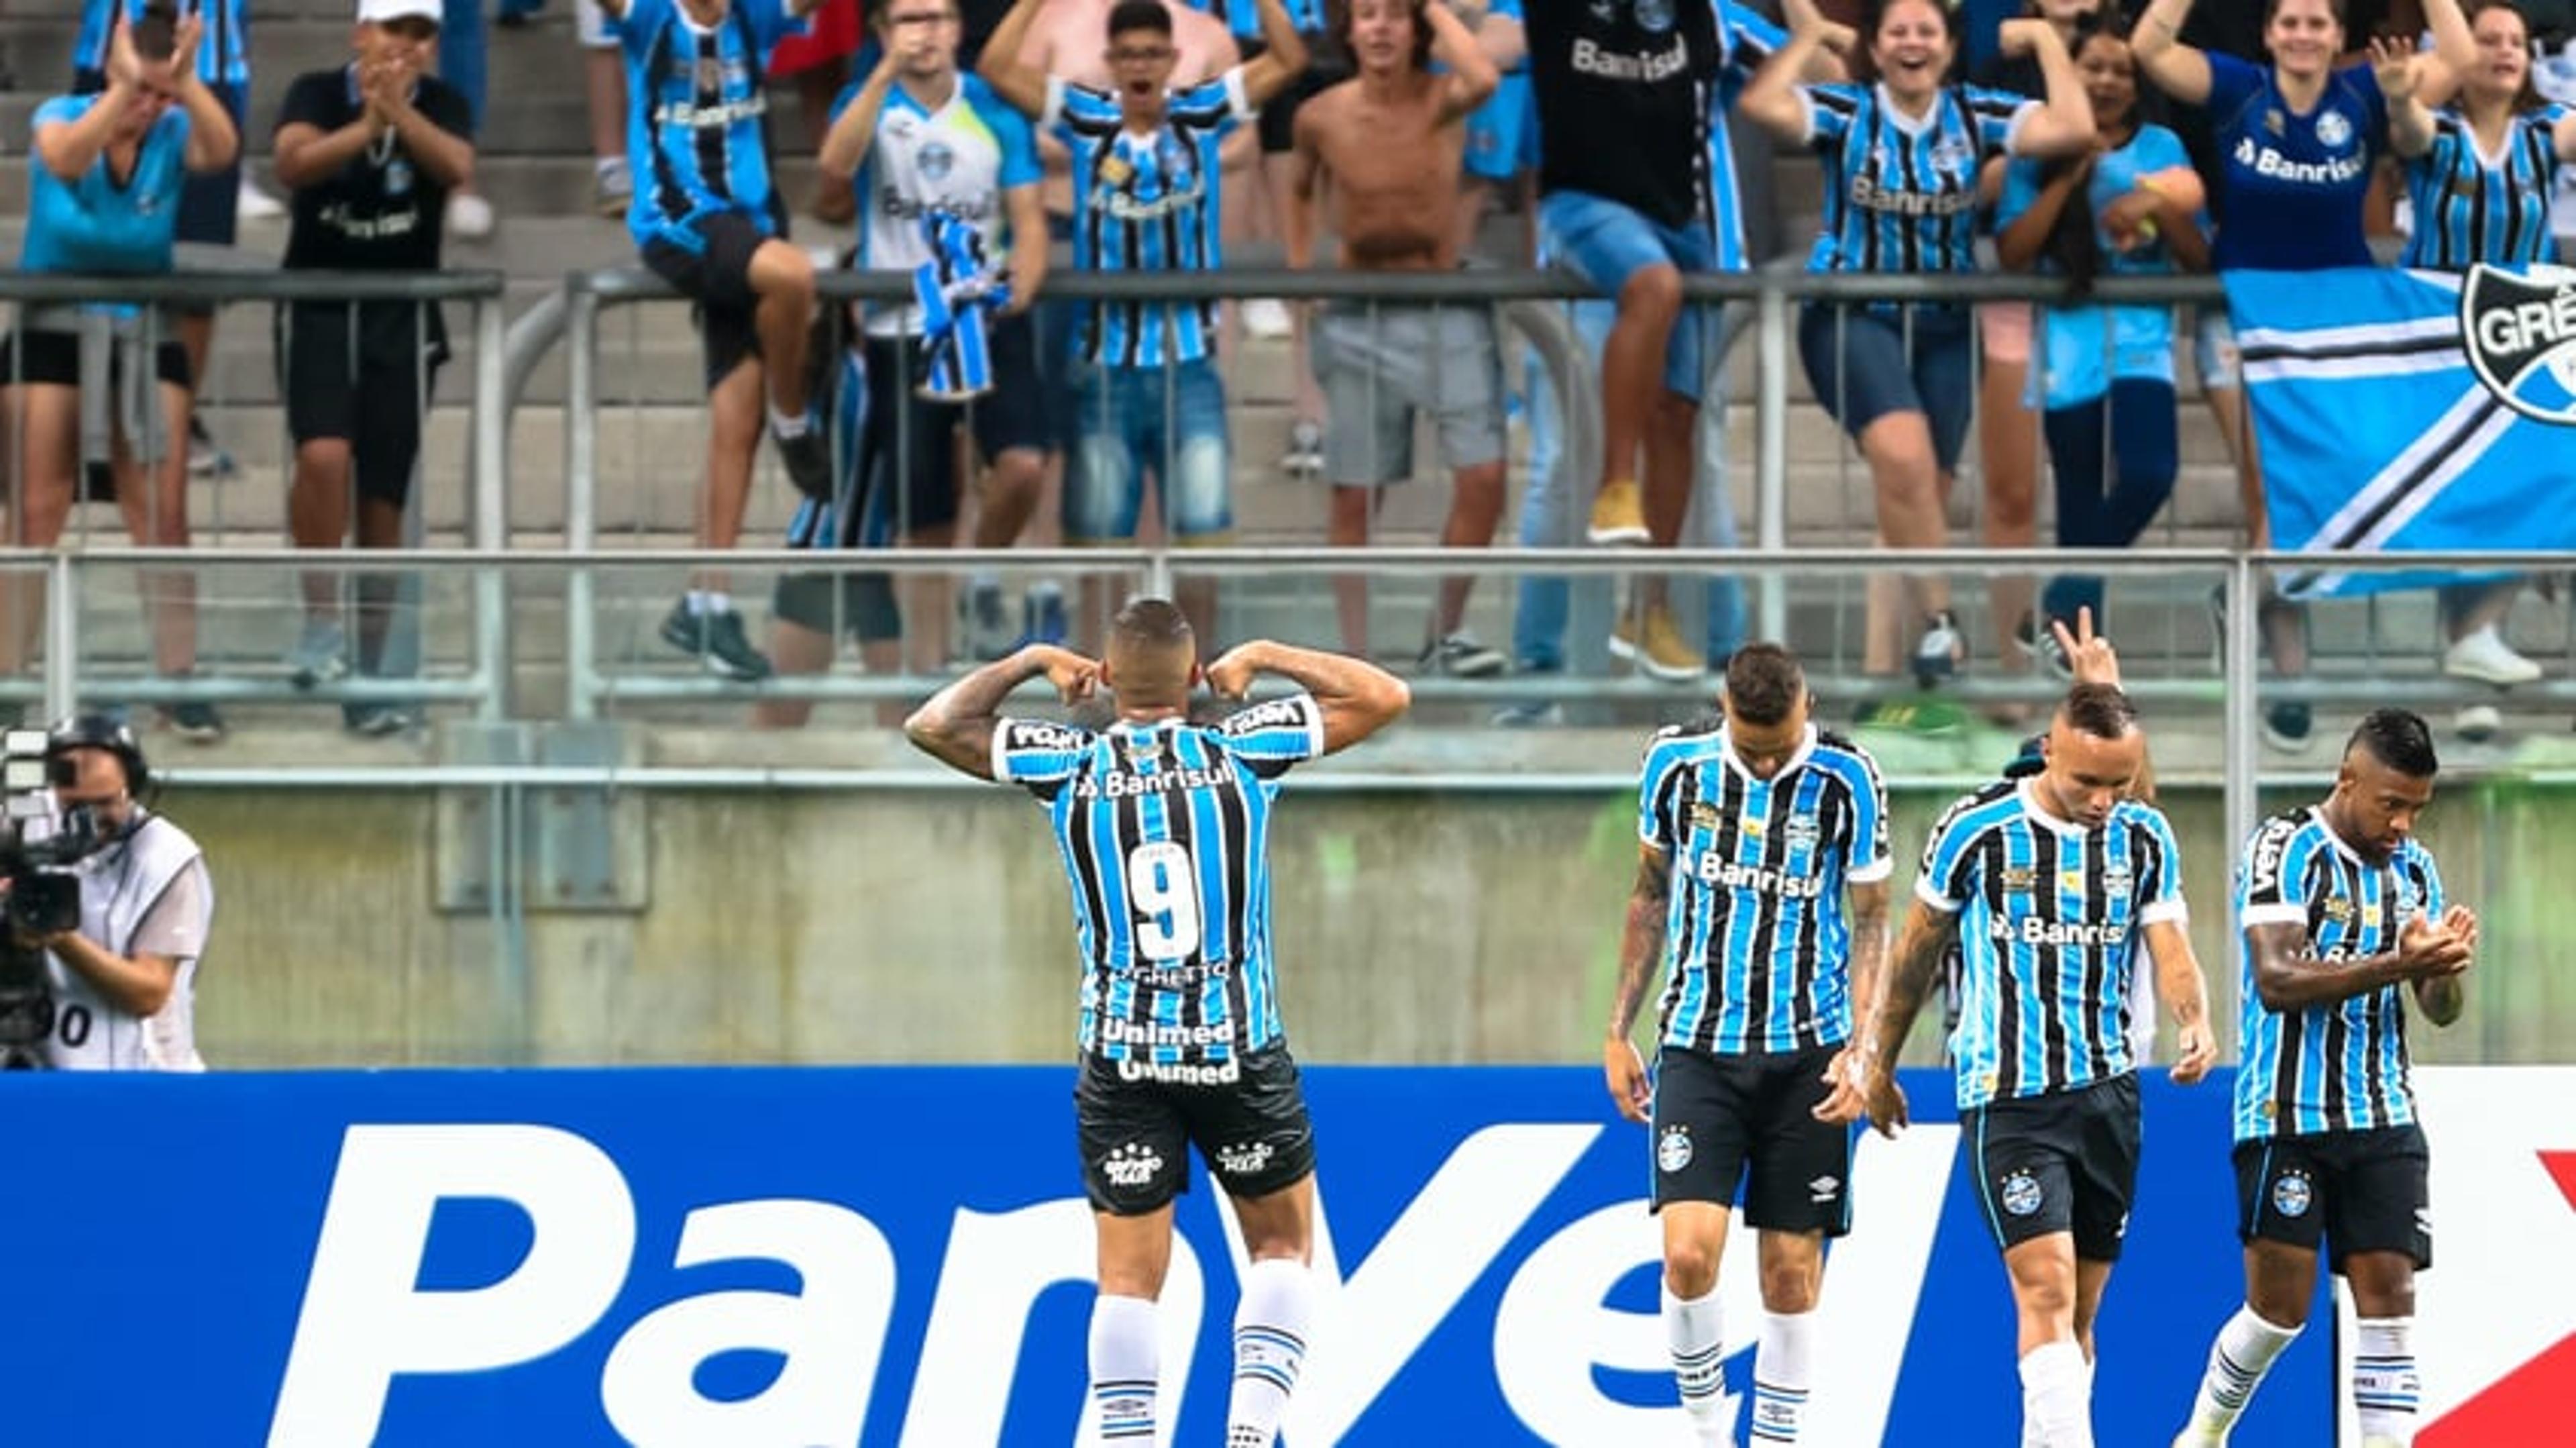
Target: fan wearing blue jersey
(810, 612)
(107, 386)
(211, 203)
(917, 140)
(2296, 141)
(2130, 207)
(1901, 162)
(708, 218)
(2480, 174)
(2344, 918)
(1762, 893)
(2050, 886)
(1164, 826)
(1147, 198)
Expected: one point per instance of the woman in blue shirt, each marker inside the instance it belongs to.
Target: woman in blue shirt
(103, 198)
(1901, 161)
(2296, 141)
(2479, 176)
(2105, 375)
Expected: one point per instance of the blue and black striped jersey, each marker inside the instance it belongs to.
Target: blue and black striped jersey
(1900, 192)
(223, 54)
(697, 118)
(1746, 39)
(2470, 208)
(1165, 833)
(1147, 203)
(1757, 941)
(2051, 916)
(2338, 1067)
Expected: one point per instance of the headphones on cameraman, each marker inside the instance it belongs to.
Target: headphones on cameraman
(98, 731)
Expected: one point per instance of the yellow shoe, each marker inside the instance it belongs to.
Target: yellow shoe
(1655, 646)
(1618, 514)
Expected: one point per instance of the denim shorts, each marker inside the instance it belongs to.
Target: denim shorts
(1125, 423)
(1866, 362)
(1606, 243)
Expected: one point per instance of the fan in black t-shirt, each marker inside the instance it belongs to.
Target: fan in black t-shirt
(1620, 101)
(382, 210)
(370, 150)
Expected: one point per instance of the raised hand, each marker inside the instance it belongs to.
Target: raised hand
(183, 52)
(2088, 653)
(2023, 35)
(2392, 61)
(124, 67)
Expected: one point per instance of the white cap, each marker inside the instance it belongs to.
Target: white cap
(379, 12)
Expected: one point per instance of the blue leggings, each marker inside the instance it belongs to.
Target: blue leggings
(2109, 490)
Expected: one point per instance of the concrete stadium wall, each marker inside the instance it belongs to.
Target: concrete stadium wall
(931, 926)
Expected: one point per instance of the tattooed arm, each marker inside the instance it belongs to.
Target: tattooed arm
(1868, 959)
(1641, 945)
(1908, 983)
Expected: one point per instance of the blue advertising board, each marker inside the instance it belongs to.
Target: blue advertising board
(901, 1256)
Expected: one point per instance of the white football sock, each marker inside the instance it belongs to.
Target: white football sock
(1269, 1346)
(1780, 1369)
(1126, 1363)
(2384, 1386)
(2057, 1394)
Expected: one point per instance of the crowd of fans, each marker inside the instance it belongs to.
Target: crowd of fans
(966, 142)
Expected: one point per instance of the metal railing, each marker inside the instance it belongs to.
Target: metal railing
(1762, 301)
(1759, 300)
(487, 471)
(576, 326)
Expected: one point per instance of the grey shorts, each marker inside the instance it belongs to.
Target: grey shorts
(1379, 367)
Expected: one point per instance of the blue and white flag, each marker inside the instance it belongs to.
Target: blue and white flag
(954, 289)
(2411, 411)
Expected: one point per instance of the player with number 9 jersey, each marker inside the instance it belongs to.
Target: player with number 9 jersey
(1164, 825)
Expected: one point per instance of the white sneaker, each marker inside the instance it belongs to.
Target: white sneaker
(2486, 657)
(2478, 723)
(469, 216)
(1265, 319)
(612, 187)
(253, 204)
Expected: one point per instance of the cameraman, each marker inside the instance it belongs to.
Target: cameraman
(123, 984)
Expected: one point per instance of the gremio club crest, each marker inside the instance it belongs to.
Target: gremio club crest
(2519, 330)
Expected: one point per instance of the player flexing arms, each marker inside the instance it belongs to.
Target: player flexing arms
(2049, 884)
(1771, 825)
(2343, 915)
(1164, 828)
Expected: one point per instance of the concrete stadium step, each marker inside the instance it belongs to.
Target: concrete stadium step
(652, 456)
